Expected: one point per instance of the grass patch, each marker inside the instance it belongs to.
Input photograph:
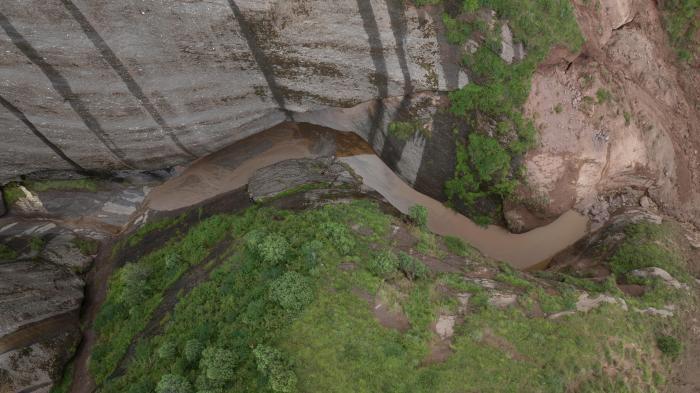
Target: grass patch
(404, 130)
(12, 191)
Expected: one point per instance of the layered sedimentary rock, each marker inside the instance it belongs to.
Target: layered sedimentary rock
(105, 85)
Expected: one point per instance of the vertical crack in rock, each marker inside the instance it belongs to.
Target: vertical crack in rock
(18, 114)
(260, 59)
(376, 50)
(60, 84)
(397, 16)
(111, 58)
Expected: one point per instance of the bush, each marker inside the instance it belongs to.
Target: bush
(292, 291)
(173, 261)
(272, 363)
(339, 236)
(669, 346)
(193, 350)
(273, 248)
(219, 364)
(383, 264)
(418, 215)
(167, 351)
(412, 268)
(173, 383)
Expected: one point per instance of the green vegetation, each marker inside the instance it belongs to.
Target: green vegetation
(682, 23)
(281, 314)
(493, 102)
(86, 246)
(418, 214)
(136, 289)
(669, 345)
(406, 129)
(64, 384)
(6, 253)
(12, 192)
(603, 96)
(648, 245)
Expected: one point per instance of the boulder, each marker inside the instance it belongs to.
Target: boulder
(288, 175)
(39, 329)
(63, 251)
(663, 275)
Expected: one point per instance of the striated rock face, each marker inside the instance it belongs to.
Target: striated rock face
(106, 85)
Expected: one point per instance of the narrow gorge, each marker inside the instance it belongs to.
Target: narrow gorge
(349, 196)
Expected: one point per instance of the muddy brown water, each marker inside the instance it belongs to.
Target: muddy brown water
(231, 167)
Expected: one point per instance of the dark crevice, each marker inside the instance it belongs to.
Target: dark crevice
(111, 58)
(19, 115)
(260, 59)
(379, 78)
(397, 17)
(60, 84)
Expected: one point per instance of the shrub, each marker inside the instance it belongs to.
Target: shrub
(167, 351)
(173, 261)
(273, 248)
(86, 246)
(384, 263)
(669, 346)
(173, 383)
(292, 291)
(272, 363)
(339, 236)
(193, 350)
(218, 364)
(418, 215)
(411, 267)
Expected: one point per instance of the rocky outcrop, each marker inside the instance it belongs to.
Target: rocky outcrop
(105, 85)
(615, 120)
(35, 291)
(289, 175)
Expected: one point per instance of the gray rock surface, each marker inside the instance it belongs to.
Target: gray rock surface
(663, 275)
(2, 204)
(63, 251)
(286, 175)
(32, 291)
(108, 85)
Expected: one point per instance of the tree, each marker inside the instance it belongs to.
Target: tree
(219, 364)
(173, 383)
(292, 291)
(272, 363)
